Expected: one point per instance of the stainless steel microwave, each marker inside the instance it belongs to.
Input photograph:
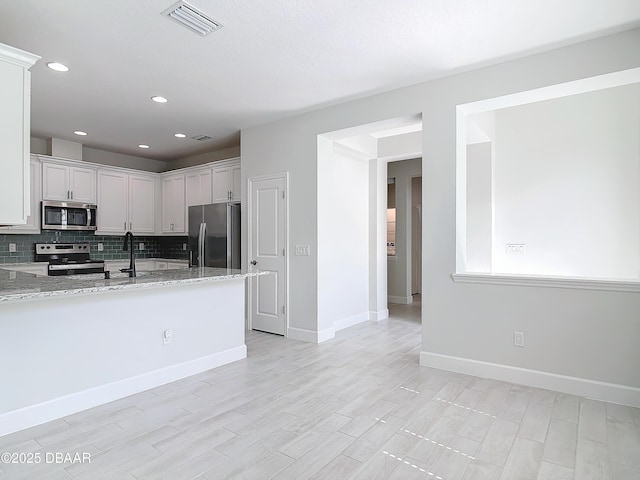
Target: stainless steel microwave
(68, 216)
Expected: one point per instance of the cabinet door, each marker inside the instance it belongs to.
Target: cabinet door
(173, 210)
(33, 220)
(198, 188)
(221, 179)
(236, 183)
(55, 182)
(112, 201)
(141, 204)
(82, 183)
(15, 84)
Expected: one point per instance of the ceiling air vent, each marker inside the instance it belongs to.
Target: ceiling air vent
(190, 17)
(201, 138)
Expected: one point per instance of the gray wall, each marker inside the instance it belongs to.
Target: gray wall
(572, 332)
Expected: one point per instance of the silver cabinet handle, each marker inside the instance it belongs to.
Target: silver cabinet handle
(125, 225)
(71, 194)
(130, 227)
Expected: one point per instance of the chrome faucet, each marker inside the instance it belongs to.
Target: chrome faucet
(128, 245)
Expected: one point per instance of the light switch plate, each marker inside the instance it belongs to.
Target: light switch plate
(100, 247)
(141, 246)
(303, 250)
(12, 247)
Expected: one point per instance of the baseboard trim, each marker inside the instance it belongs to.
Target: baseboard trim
(376, 316)
(400, 300)
(350, 321)
(40, 413)
(583, 387)
(311, 336)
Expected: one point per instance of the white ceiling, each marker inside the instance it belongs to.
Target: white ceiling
(270, 60)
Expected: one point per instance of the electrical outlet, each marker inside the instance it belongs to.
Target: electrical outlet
(141, 246)
(303, 250)
(518, 339)
(12, 247)
(100, 247)
(166, 336)
(184, 246)
(515, 249)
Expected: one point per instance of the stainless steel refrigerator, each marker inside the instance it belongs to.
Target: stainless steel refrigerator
(214, 235)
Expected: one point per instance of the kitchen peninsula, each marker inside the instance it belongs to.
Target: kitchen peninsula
(69, 344)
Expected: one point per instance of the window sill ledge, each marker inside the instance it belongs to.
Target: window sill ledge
(614, 285)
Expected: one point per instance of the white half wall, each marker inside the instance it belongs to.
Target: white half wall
(66, 354)
(569, 332)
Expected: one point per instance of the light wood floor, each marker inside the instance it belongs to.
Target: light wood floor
(358, 407)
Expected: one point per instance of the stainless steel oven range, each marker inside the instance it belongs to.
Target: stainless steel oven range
(68, 258)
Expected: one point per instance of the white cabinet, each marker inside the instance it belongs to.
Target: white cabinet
(65, 182)
(113, 195)
(173, 206)
(142, 203)
(125, 202)
(15, 134)
(33, 220)
(236, 183)
(198, 187)
(226, 182)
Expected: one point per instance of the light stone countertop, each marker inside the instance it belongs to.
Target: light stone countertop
(17, 286)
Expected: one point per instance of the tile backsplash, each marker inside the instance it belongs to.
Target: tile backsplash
(154, 247)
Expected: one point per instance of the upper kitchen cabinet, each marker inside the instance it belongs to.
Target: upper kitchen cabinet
(67, 182)
(15, 133)
(142, 203)
(198, 187)
(125, 202)
(33, 220)
(226, 182)
(173, 206)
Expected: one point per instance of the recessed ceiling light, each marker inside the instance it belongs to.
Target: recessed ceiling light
(179, 135)
(80, 132)
(142, 145)
(58, 67)
(159, 99)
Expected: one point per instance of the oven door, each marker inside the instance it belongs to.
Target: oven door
(68, 216)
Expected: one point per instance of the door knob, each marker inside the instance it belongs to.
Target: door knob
(253, 262)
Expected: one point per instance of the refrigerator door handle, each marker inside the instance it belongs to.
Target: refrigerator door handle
(229, 236)
(200, 245)
(203, 236)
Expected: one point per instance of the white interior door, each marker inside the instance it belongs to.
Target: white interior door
(267, 237)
